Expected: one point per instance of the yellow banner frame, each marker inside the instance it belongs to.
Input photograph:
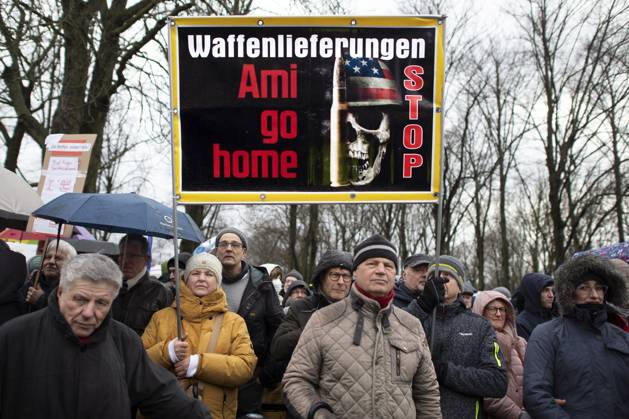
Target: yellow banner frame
(274, 197)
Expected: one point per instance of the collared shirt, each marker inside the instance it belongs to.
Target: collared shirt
(133, 281)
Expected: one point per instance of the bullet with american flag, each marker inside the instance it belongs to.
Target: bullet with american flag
(370, 82)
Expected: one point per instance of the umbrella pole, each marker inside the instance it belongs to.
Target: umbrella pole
(41, 264)
(177, 276)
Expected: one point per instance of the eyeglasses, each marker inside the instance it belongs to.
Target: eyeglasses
(234, 245)
(335, 276)
(598, 289)
(494, 310)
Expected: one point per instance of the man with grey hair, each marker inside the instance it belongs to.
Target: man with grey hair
(35, 295)
(77, 362)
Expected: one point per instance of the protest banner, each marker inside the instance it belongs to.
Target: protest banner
(311, 109)
(64, 169)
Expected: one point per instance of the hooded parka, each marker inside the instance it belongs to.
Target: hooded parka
(533, 313)
(220, 373)
(513, 349)
(580, 357)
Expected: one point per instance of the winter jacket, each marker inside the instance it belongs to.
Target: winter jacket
(403, 296)
(533, 313)
(261, 309)
(47, 373)
(287, 335)
(363, 362)
(513, 348)
(580, 357)
(12, 277)
(221, 372)
(135, 307)
(290, 329)
(469, 363)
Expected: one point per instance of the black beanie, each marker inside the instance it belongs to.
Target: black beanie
(375, 246)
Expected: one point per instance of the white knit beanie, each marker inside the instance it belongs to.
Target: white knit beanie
(204, 261)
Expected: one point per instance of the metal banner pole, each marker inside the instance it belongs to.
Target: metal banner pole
(173, 112)
(441, 193)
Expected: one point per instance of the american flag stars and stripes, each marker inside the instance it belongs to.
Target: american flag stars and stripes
(370, 82)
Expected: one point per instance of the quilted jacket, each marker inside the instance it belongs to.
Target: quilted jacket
(377, 367)
(231, 364)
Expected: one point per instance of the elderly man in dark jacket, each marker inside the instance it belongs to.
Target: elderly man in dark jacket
(465, 350)
(577, 365)
(251, 294)
(537, 291)
(71, 360)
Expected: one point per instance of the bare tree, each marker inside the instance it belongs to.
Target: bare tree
(64, 62)
(479, 193)
(614, 93)
(567, 41)
(506, 117)
(30, 57)
(457, 113)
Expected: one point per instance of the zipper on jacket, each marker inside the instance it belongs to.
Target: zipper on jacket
(397, 361)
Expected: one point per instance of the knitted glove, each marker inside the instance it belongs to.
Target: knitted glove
(432, 295)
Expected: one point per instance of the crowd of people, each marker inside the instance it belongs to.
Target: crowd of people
(89, 337)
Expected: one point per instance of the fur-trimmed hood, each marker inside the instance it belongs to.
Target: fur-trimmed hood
(569, 275)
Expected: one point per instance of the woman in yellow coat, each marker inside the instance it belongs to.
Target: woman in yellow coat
(215, 363)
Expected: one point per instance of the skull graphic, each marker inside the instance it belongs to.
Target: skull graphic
(367, 148)
(364, 91)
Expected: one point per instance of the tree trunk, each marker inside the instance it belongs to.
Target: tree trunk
(403, 251)
(292, 236)
(310, 241)
(618, 177)
(14, 143)
(505, 274)
(196, 213)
